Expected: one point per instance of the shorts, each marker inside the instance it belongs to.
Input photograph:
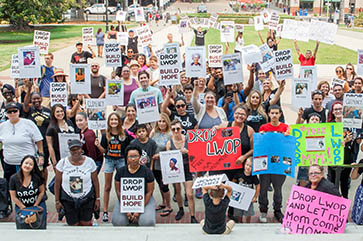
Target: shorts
(113, 164)
(303, 174)
(75, 215)
(241, 213)
(187, 174)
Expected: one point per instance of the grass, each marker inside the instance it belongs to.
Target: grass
(327, 54)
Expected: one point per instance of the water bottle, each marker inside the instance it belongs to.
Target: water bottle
(95, 223)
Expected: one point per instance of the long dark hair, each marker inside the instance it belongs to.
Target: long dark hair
(53, 120)
(34, 173)
(99, 30)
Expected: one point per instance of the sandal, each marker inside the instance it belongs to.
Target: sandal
(160, 207)
(166, 212)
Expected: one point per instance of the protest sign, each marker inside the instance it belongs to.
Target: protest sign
(115, 92)
(258, 23)
(147, 107)
(319, 143)
(144, 35)
(323, 31)
(29, 62)
(227, 31)
(279, 30)
(87, 35)
(217, 25)
(195, 61)
(265, 15)
(183, 25)
(123, 38)
(353, 109)
(132, 195)
(298, 30)
(193, 21)
(214, 180)
(360, 62)
(284, 68)
(301, 97)
(96, 112)
(273, 21)
(14, 71)
(239, 27)
(112, 54)
(58, 93)
(41, 39)
(241, 196)
(251, 54)
(337, 81)
(121, 16)
(215, 52)
(313, 212)
(213, 150)
(268, 58)
(204, 22)
(169, 65)
(80, 79)
(309, 73)
(232, 69)
(63, 143)
(139, 14)
(213, 19)
(172, 167)
(278, 157)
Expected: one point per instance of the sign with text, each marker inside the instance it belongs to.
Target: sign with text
(265, 15)
(215, 52)
(139, 14)
(284, 68)
(132, 195)
(123, 38)
(183, 25)
(258, 23)
(206, 181)
(301, 89)
(112, 54)
(115, 92)
(268, 58)
(80, 79)
(195, 61)
(87, 35)
(121, 16)
(41, 39)
(63, 143)
(293, 29)
(29, 62)
(232, 69)
(323, 31)
(145, 35)
(227, 31)
(14, 71)
(309, 73)
(352, 111)
(172, 167)
(96, 113)
(273, 21)
(147, 107)
(241, 196)
(251, 54)
(58, 93)
(239, 27)
(169, 65)
(360, 62)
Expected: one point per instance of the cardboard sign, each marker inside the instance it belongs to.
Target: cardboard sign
(169, 65)
(132, 195)
(268, 58)
(227, 31)
(195, 61)
(206, 181)
(251, 54)
(41, 39)
(232, 69)
(113, 54)
(273, 21)
(147, 107)
(96, 112)
(58, 93)
(360, 62)
(284, 68)
(319, 143)
(63, 143)
(258, 23)
(239, 27)
(212, 150)
(121, 16)
(323, 31)
(313, 212)
(115, 92)
(139, 14)
(278, 157)
(298, 30)
(301, 96)
(172, 167)
(80, 77)
(123, 38)
(87, 35)
(353, 109)
(145, 35)
(241, 196)
(29, 62)
(14, 70)
(215, 52)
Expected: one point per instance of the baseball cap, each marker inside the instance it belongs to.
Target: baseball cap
(74, 143)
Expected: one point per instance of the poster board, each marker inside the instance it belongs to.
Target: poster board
(96, 113)
(205, 181)
(298, 30)
(80, 77)
(63, 143)
(239, 27)
(301, 93)
(284, 67)
(352, 110)
(360, 62)
(251, 54)
(309, 73)
(215, 52)
(123, 38)
(232, 69)
(273, 21)
(29, 62)
(132, 195)
(266, 15)
(241, 196)
(227, 31)
(113, 54)
(172, 167)
(87, 36)
(145, 36)
(115, 92)
(258, 21)
(195, 61)
(139, 14)
(42, 40)
(268, 58)
(147, 107)
(170, 65)
(183, 25)
(14, 69)
(58, 93)
(323, 31)
(121, 16)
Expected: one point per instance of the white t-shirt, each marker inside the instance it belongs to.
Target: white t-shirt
(239, 44)
(19, 140)
(76, 180)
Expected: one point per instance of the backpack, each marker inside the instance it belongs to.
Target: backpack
(5, 201)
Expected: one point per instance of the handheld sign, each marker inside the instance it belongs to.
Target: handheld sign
(87, 36)
(227, 31)
(58, 93)
(172, 167)
(139, 14)
(115, 92)
(113, 54)
(284, 67)
(241, 196)
(232, 69)
(268, 58)
(96, 112)
(206, 181)
(195, 61)
(169, 65)
(301, 89)
(132, 195)
(145, 35)
(15, 71)
(123, 38)
(121, 16)
(258, 23)
(215, 52)
(323, 31)
(147, 107)
(360, 62)
(353, 110)
(80, 79)
(41, 39)
(29, 62)
(251, 54)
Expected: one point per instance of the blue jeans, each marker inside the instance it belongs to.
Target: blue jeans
(113, 164)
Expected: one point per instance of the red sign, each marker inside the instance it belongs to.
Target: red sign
(213, 150)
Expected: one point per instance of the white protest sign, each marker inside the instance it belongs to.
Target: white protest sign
(206, 181)
(323, 31)
(195, 61)
(353, 110)
(63, 139)
(15, 71)
(217, 25)
(80, 78)
(258, 23)
(123, 38)
(204, 22)
(337, 81)
(251, 54)
(169, 65)
(132, 195)
(121, 16)
(139, 14)
(273, 21)
(115, 92)
(96, 112)
(113, 54)
(213, 19)
(301, 89)
(183, 25)
(172, 167)
(241, 196)
(279, 30)
(41, 39)
(58, 93)
(239, 27)
(87, 35)
(145, 35)
(265, 15)
(268, 58)
(147, 108)
(227, 31)
(194, 21)
(29, 62)
(284, 68)
(309, 73)
(360, 62)
(232, 69)
(215, 52)
(298, 30)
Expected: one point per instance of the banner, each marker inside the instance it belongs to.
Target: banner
(63, 139)
(41, 39)
(241, 196)
(323, 31)
(121, 16)
(147, 107)
(273, 21)
(284, 68)
(115, 92)
(227, 31)
(213, 150)
(258, 23)
(195, 61)
(239, 27)
(112, 54)
(145, 35)
(132, 195)
(14, 70)
(170, 65)
(298, 30)
(232, 69)
(268, 58)
(353, 109)
(309, 73)
(96, 112)
(58, 93)
(320, 143)
(139, 14)
(183, 25)
(29, 62)
(251, 54)
(87, 36)
(360, 62)
(215, 52)
(301, 96)
(80, 78)
(278, 157)
(313, 212)
(172, 167)
(123, 38)
(214, 180)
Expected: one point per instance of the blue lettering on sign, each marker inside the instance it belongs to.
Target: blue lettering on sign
(297, 133)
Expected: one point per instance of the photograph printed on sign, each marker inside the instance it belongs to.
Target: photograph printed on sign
(360, 62)
(80, 79)
(301, 96)
(352, 110)
(227, 31)
(251, 54)
(147, 108)
(96, 113)
(241, 197)
(195, 61)
(29, 62)
(172, 167)
(258, 23)
(115, 92)
(268, 58)
(232, 69)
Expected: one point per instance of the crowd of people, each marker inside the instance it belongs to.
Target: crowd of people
(30, 130)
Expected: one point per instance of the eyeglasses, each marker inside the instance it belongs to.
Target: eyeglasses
(133, 157)
(7, 93)
(11, 111)
(314, 173)
(180, 106)
(338, 71)
(176, 129)
(349, 68)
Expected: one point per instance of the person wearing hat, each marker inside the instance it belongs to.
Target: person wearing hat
(8, 92)
(60, 76)
(76, 188)
(81, 56)
(134, 68)
(47, 73)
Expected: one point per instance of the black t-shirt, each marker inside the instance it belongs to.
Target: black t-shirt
(27, 195)
(199, 37)
(220, 88)
(148, 150)
(143, 172)
(115, 147)
(98, 84)
(310, 110)
(41, 118)
(215, 215)
(133, 44)
(255, 120)
(246, 181)
(81, 58)
(188, 121)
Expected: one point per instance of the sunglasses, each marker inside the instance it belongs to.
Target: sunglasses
(349, 69)
(176, 129)
(338, 71)
(11, 111)
(180, 106)
(7, 93)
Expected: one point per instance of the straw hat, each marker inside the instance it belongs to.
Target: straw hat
(134, 62)
(59, 72)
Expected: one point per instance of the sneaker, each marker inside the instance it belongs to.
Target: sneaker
(263, 218)
(174, 198)
(198, 193)
(279, 216)
(193, 220)
(105, 217)
(179, 214)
